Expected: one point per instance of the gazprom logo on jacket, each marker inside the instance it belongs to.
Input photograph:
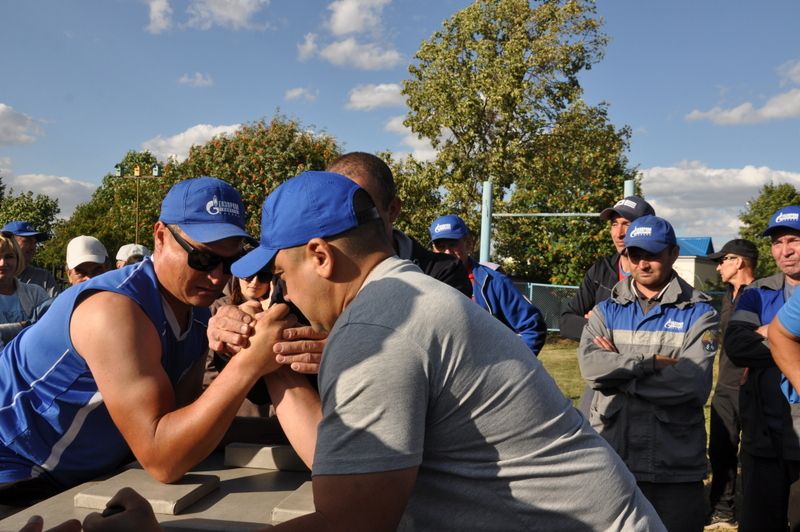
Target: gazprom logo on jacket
(215, 206)
(442, 227)
(672, 324)
(642, 231)
(787, 217)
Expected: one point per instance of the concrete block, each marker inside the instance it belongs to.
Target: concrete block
(277, 457)
(299, 503)
(167, 499)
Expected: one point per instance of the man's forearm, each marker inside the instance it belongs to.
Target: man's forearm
(297, 405)
(186, 436)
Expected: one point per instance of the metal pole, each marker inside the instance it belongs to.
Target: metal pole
(136, 230)
(486, 221)
(628, 188)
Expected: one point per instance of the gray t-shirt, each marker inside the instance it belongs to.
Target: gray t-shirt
(414, 374)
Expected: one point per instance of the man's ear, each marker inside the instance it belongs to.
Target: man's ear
(321, 252)
(159, 235)
(394, 209)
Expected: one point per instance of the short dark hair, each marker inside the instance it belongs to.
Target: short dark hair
(366, 165)
(370, 235)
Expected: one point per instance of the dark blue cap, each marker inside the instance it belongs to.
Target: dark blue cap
(310, 205)
(207, 209)
(651, 234)
(449, 226)
(788, 217)
(21, 228)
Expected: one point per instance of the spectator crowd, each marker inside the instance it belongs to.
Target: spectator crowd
(416, 405)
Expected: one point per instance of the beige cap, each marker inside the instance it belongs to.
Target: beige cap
(85, 249)
(127, 250)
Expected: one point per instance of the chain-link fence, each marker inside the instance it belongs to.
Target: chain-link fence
(548, 298)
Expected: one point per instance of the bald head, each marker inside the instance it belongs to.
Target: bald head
(373, 175)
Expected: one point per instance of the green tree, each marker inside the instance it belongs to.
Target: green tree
(38, 209)
(496, 91)
(258, 157)
(756, 216)
(579, 167)
(254, 159)
(417, 186)
(495, 77)
(121, 210)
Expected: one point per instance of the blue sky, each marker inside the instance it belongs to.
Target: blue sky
(711, 89)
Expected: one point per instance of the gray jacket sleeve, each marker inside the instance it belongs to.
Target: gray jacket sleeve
(30, 297)
(688, 381)
(609, 370)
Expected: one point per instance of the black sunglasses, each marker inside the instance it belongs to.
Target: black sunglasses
(264, 276)
(202, 260)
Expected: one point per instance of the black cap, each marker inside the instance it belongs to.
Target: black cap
(737, 246)
(629, 208)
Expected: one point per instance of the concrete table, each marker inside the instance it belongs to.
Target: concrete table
(244, 501)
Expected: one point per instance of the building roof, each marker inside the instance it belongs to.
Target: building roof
(698, 246)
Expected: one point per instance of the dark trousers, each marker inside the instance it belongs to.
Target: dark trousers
(770, 494)
(680, 505)
(723, 450)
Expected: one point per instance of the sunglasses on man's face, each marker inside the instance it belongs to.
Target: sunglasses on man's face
(202, 260)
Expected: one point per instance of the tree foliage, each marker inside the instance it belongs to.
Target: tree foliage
(254, 159)
(38, 209)
(755, 219)
(496, 91)
(580, 167)
(418, 187)
(121, 210)
(258, 157)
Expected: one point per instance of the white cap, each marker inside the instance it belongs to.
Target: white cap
(127, 250)
(85, 249)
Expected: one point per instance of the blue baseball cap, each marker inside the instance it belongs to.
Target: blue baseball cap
(650, 233)
(788, 217)
(21, 228)
(310, 205)
(449, 226)
(207, 209)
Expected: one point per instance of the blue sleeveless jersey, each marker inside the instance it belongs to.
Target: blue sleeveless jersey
(53, 421)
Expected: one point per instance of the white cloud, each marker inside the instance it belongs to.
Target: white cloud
(301, 93)
(308, 48)
(16, 127)
(160, 16)
(197, 80)
(354, 16)
(367, 56)
(231, 14)
(5, 166)
(780, 107)
(789, 72)
(421, 149)
(703, 201)
(368, 97)
(177, 146)
(69, 192)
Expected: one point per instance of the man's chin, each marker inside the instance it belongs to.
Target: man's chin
(204, 298)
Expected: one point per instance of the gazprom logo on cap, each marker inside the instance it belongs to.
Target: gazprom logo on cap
(787, 217)
(442, 227)
(642, 231)
(626, 203)
(215, 206)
